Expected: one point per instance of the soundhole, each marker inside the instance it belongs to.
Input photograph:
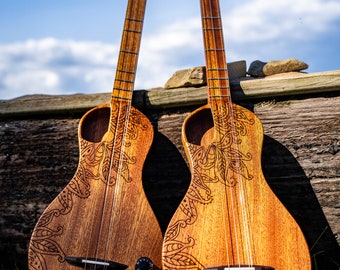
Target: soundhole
(95, 124)
(197, 125)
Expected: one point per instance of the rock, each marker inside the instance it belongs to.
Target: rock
(283, 66)
(187, 77)
(237, 69)
(256, 68)
(197, 76)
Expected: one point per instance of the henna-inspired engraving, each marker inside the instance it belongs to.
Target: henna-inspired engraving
(105, 161)
(219, 162)
(177, 258)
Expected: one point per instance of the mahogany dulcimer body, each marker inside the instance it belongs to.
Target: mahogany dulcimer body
(102, 218)
(229, 218)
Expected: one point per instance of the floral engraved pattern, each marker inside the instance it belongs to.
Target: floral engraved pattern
(104, 161)
(221, 161)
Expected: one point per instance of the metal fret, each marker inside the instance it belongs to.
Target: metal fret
(219, 96)
(125, 81)
(134, 20)
(213, 28)
(122, 89)
(129, 52)
(126, 71)
(122, 98)
(133, 31)
(212, 50)
(211, 17)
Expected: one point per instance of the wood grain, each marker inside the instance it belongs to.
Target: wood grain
(229, 215)
(281, 85)
(300, 161)
(103, 215)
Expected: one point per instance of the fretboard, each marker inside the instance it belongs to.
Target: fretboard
(129, 50)
(217, 73)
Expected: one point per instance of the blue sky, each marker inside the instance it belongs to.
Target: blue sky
(71, 46)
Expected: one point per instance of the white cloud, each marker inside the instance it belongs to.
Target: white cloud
(253, 30)
(51, 66)
(32, 79)
(166, 50)
(263, 20)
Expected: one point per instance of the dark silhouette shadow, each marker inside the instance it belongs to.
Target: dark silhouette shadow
(290, 184)
(166, 178)
(167, 173)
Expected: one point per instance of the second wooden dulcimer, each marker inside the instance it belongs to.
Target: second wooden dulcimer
(229, 218)
(102, 218)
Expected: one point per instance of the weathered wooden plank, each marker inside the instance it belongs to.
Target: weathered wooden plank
(286, 84)
(63, 104)
(292, 83)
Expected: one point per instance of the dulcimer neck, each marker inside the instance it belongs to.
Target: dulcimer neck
(129, 51)
(216, 64)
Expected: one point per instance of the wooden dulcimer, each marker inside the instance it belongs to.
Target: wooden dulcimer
(102, 218)
(229, 217)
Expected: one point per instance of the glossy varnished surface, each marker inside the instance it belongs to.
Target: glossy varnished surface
(229, 215)
(103, 212)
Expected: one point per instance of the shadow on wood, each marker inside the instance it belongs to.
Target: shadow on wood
(39, 155)
(290, 184)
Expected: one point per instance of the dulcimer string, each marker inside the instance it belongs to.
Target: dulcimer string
(133, 31)
(130, 57)
(224, 99)
(207, 16)
(121, 99)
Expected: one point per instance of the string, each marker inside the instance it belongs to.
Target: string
(117, 145)
(119, 181)
(221, 96)
(234, 142)
(211, 84)
(238, 167)
(132, 50)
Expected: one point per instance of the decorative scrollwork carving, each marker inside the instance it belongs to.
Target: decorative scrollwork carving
(105, 161)
(220, 162)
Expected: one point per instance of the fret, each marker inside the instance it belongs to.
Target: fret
(122, 89)
(125, 81)
(126, 71)
(133, 31)
(122, 98)
(219, 96)
(134, 20)
(129, 52)
(210, 17)
(214, 49)
(212, 28)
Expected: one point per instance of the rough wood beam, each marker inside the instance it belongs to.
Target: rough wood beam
(286, 84)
